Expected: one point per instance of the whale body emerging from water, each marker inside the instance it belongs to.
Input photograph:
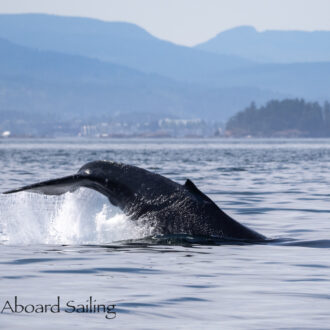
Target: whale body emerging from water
(140, 194)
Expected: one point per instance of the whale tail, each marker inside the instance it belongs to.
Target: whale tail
(56, 186)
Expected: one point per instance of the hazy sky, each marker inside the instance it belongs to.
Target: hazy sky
(188, 21)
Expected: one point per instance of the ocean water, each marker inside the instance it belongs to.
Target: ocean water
(78, 246)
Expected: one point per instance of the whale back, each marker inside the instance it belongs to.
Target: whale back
(175, 208)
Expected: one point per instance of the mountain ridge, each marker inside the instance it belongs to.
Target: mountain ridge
(272, 46)
(42, 81)
(102, 40)
(190, 82)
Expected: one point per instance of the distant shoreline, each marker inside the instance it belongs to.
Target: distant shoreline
(215, 138)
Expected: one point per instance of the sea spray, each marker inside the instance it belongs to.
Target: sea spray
(82, 217)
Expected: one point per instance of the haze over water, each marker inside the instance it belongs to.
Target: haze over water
(78, 245)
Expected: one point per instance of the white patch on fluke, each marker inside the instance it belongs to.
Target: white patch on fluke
(82, 217)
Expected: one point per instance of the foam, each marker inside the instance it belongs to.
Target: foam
(82, 217)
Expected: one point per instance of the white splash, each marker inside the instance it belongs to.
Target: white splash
(82, 217)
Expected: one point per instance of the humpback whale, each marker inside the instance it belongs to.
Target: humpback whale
(140, 194)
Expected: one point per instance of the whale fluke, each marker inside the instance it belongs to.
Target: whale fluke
(53, 187)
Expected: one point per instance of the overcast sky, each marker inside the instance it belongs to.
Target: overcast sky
(188, 22)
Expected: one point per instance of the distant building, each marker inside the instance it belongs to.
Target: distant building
(5, 134)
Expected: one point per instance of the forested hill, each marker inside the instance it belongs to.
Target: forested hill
(271, 46)
(287, 118)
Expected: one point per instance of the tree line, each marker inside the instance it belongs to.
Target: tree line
(285, 118)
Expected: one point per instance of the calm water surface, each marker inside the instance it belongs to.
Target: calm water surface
(77, 245)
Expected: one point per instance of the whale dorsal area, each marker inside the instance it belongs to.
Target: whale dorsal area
(191, 187)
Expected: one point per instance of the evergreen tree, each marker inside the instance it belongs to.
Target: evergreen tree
(289, 117)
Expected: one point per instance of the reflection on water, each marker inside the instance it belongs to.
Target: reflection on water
(77, 245)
